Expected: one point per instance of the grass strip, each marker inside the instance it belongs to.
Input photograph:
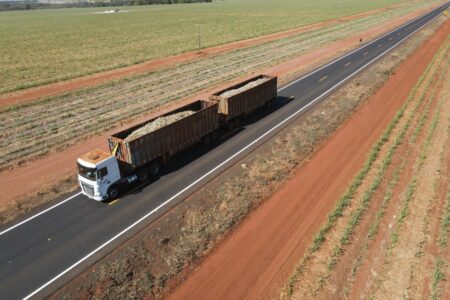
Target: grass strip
(438, 276)
(445, 226)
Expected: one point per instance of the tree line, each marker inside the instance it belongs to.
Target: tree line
(34, 4)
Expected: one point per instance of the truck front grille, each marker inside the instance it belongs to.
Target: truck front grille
(88, 189)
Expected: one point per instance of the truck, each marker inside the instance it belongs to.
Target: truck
(137, 153)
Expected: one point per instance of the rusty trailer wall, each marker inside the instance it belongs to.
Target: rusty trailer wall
(246, 101)
(168, 139)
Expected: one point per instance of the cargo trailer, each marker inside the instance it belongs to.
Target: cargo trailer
(243, 98)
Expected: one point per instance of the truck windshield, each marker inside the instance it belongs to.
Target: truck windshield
(89, 173)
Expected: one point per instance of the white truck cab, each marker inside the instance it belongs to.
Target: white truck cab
(98, 172)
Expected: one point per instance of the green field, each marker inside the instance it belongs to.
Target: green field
(44, 46)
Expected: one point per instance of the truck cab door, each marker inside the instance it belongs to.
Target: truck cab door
(103, 180)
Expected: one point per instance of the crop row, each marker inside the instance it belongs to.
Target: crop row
(346, 199)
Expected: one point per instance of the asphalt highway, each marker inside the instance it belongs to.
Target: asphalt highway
(43, 251)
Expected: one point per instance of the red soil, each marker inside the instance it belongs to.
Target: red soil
(152, 65)
(32, 176)
(255, 261)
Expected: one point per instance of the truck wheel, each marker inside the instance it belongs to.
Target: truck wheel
(230, 125)
(214, 135)
(142, 175)
(206, 139)
(113, 192)
(153, 169)
(236, 123)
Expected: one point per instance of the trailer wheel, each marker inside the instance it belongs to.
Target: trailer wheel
(113, 192)
(142, 175)
(206, 139)
(214, 135)
(153, 169)
(236, 123)
(230, 125)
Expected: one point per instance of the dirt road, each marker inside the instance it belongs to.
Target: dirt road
(255, 261)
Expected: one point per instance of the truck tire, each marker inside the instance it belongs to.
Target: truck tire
(142, 175)
(214, 135)
(153, 169)
(113, 192)
(230, 125)
(206, 139)
(237, 122)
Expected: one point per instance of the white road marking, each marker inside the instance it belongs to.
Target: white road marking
(323, 78)
(365, 53)
(282, 88)
(347, 64)
(38, 214)
(220, 165)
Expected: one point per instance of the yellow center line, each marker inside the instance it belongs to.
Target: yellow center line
(366, 53)
(113, 202)
(323, 78)
(135, 189)
(347, 64)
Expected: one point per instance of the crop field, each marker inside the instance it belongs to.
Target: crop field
(29, 133)
(387, 237)
(44, 46)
